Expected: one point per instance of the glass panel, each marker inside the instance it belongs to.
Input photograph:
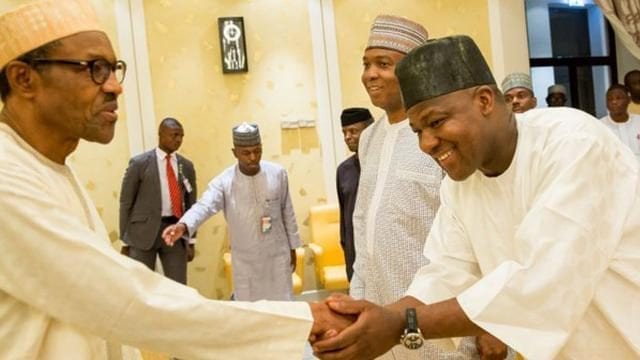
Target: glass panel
(591, 82)
(538, 29)
(545, 76)
(556, 29)
(585, 99)
(601, 82)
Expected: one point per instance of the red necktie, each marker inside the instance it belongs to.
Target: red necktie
(174, 190)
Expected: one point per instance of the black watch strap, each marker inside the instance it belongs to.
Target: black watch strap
(412, 320)
(412, 338)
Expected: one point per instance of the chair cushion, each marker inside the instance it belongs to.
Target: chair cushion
(335, 277)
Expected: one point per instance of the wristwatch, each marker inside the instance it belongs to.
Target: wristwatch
(412, 337)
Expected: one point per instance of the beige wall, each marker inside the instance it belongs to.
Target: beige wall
(188, 84)
(509, 44)
(440, 17)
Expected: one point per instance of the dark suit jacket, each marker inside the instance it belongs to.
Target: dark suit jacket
(141, 202)
(347, 178)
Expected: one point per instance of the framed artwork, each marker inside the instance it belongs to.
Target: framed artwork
(232, 45)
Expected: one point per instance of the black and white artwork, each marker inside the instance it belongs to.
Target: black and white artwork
(232, 45)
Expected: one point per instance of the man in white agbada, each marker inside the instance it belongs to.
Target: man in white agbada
(536, 240)
(64, 291)
(625, 125)
(254, 196)
(398, 190)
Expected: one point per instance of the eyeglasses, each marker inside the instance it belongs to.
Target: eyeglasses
(100, 68)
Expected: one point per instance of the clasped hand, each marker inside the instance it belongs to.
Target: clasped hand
(344, 328)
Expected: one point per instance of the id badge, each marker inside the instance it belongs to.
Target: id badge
(265, 224)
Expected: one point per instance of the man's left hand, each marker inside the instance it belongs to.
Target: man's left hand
(376, 330)
(490, 347)
(191, 252)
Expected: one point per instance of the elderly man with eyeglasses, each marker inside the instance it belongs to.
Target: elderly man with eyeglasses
(64, 291)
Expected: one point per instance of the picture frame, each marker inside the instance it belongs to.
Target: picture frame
(233, 49)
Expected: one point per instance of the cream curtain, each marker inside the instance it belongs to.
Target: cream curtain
(624, 16)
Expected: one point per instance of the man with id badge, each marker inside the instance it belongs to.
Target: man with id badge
(254, 196)
(158, 187)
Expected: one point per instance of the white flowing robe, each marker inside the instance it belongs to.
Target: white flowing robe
(65, 293)
(628, 132)
(260, 261)
(396, 203)
(546, 256)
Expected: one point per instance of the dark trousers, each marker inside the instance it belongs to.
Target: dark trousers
(173, 258)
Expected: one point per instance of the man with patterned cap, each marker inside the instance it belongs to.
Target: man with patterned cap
(529, 244)
(398, 188)
(254, 196)
(354, 121)
(518, 92)
(65, 292)
(556, 95)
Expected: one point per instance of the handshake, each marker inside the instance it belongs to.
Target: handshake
(345, 328)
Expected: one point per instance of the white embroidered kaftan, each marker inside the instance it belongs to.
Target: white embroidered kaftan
(260, 260)
(628, 132)
(546, 256)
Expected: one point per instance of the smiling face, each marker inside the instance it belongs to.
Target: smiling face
(459, 131)
(71, 105)
(379, 79)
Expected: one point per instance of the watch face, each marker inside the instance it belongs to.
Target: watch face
(413, 340)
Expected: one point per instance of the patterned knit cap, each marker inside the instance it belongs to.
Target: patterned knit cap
(246, 134)
(396, 33)
(30, 26)
(517, 80)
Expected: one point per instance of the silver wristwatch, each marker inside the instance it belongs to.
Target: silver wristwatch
(412, 337)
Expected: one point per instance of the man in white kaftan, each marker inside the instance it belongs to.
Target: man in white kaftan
(254, 196)
(398, 190)
(545, 256)
(397, 201)
(530, 243)
(65, 293)
(625, 125)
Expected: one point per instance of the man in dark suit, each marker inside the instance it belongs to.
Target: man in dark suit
(354, 121)
(158, 187)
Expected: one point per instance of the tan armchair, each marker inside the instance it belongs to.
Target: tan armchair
(324, 226)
